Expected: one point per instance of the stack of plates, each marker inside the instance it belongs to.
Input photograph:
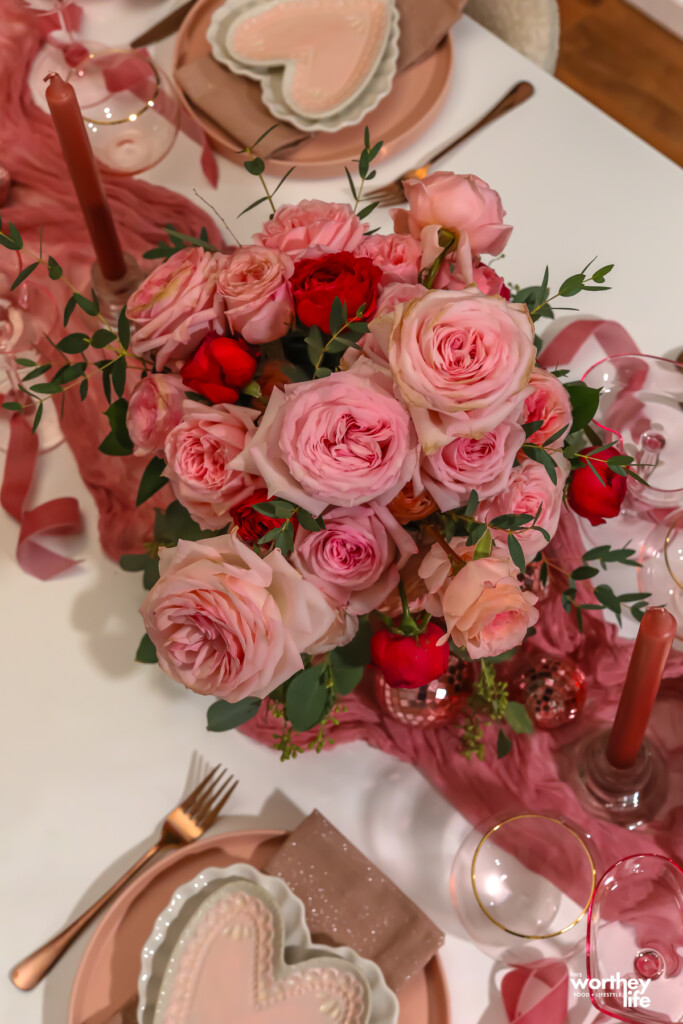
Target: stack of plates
(322, 66)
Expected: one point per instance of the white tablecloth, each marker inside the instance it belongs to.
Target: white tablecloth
(95, 748)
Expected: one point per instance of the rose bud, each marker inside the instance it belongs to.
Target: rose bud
(596, 500)
(410, 661)
(251, 524)
(220, 368)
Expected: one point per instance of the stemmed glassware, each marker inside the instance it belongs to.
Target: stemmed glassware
(635, 941)
(507, 886)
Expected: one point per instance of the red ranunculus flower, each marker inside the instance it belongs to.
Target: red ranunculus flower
(591, 498)
(252, 525)
(220, 368)
(316, 283)
(410, 661)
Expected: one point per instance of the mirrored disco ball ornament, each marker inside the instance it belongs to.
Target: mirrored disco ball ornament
(553, 691)
(424, 707)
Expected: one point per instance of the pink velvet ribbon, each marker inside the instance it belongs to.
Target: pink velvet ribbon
(52, 518)
(536, 994)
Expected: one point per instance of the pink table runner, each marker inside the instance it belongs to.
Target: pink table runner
(534, 773)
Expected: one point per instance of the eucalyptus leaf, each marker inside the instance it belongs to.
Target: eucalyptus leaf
(222, 715)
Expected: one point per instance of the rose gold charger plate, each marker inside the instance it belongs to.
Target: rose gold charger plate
(417, 95)
(108, 972)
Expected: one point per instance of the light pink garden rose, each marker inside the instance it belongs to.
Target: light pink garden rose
(356, 559)
(485, 608)
(482, 464)
(228, 623)
(312, 227)
(529, 489)
(176, 307)
(397, 293)
(344, 440)
(485, 279)
(550, 403)
(258, 300)
(462, 203)
(397, 256)
(199, 453)
(462, 363)
(340, 633)
(154, 409)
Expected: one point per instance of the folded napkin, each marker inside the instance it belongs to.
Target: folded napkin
(349, 902)
(234, 102)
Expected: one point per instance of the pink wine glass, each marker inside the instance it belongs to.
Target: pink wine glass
(634, 945)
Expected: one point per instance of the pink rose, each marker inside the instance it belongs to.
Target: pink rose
(466, 463)
(340, 633)
(355, 560)
(461, 203)
(485, 279)
(485, 608)
(461, 362)
(529, 489)
(177, 306)
(199, 452)
(155, 408)
(549, 402)
(397, 256)
(253, 282)
(393, 294)
(312, 225)
(228, 623)
(343, 440)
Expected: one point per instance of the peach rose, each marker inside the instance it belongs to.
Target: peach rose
(176, 306)
(199, 452)
(462, 363)
(549, 402)
(228, 623)
(397, 256)
(312, 227)
(461, 203)
(155, 408)
(485, 608)
(253, 283)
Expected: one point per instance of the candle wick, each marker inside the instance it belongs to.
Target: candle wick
(50, 76)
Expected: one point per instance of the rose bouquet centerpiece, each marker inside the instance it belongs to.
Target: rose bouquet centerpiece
(366, 458)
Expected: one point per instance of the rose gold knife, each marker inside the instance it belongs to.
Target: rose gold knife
(165, 27)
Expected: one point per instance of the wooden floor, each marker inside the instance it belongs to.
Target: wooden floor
(628, 66)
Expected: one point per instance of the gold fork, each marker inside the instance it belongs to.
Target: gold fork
(185, 823)
(393, 194)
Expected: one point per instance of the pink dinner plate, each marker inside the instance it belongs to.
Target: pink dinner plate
(108, 972)
(416, 98)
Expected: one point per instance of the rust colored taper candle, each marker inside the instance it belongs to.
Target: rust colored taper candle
(653, 643)
(85, 175)
(619, 774)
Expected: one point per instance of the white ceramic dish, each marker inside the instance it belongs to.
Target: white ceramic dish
(158, 948)
(273, 80)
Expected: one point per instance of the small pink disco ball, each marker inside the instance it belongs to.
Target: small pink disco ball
(424, 707)
(553, 690)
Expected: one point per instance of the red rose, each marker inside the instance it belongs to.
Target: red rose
(317, 282)
(596, 500)
(220, 368)
(252, 525)
(410, 661)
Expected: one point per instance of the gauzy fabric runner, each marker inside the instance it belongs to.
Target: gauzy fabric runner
(534, 775)
(42, 196)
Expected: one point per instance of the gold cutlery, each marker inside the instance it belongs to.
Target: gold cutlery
(393, 194)
(185, 823)
(165, 27)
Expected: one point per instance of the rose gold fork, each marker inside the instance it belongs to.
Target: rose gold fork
(393, 193)
(185, 823)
